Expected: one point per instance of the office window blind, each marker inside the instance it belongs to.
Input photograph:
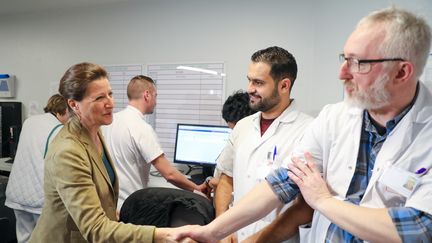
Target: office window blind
(186, 96)
(119, 77)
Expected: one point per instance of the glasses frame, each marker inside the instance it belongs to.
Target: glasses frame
(354, 62)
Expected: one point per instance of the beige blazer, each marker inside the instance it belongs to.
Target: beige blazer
(80, 202)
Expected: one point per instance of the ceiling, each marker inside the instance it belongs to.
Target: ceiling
(11, 7)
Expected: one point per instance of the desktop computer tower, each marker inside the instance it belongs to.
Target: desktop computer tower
(10, 122)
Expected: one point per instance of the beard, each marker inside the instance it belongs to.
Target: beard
(266, 103)
(151, 109)
(375, 97)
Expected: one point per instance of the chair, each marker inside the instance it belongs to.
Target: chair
(166, 207)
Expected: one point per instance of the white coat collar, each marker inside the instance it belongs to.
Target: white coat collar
(288, 115)
(135, 110)
(404, 133)
(421, 112)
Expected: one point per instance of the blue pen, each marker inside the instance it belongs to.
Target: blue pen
(274, 153)
(421, 171)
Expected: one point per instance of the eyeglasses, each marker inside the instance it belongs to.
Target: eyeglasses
(363, 66)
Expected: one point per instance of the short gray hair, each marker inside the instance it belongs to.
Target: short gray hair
(407, 36)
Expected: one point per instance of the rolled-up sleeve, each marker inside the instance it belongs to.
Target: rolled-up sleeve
(225, 161)
(412, 225)
(282, 185)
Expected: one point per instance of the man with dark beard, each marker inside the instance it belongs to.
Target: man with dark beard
(260, 142)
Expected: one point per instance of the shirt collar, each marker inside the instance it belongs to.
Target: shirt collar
(288, 115)
(135, 110)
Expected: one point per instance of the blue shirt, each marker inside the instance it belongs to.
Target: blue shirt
(108, 167)
(371, 140)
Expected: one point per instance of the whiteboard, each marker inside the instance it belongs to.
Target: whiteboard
(186, 96)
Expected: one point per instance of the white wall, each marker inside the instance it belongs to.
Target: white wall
(40, 46)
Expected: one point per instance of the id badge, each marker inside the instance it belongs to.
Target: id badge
(399, 180)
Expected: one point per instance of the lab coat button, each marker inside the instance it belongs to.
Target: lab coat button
(349, 167)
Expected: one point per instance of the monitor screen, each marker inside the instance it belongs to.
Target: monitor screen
(200, 144)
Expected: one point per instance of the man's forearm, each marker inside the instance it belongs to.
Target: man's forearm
(260, 201)
(223, 194)
(369, 224)
(180, 180)
(172, 175)
(286, 224)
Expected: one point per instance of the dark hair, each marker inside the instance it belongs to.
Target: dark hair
(137, 85)
(282, 63)
(236, 107)
(76, 79)
(56, 104)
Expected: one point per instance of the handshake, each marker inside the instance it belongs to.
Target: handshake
(184, 234)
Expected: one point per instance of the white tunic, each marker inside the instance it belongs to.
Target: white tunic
(248, 157)
(25, 185)
(133, 145)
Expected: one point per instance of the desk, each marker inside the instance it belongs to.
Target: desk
(5, 167)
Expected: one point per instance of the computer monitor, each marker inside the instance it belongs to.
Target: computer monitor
(200, 144)
(10, 124)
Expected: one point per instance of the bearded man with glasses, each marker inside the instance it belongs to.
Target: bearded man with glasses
(376, 95)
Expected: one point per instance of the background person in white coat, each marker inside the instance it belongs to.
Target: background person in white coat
(259, 142)
(368, 159)
(24, 192)
(134, 145)
(235, 108)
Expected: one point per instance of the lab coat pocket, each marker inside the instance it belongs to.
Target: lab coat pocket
(305, 233)
(391, 197)
(395, 185)
(400, 180)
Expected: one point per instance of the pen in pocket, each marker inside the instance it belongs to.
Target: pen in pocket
(421, 171)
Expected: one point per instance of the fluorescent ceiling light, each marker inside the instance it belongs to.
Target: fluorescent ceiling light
(202, 70)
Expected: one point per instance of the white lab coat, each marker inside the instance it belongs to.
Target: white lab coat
(25, 186)
(248, 157)
(334, 138)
